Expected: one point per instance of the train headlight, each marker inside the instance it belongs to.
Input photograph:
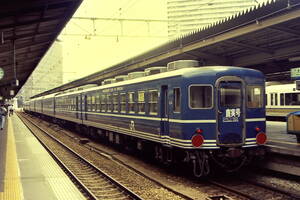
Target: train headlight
(261, 138)
(197, 140)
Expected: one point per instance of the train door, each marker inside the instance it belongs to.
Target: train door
(84, 107)
(81, 107)
(54, 106)
(230, 111)
(164, 111)
(77, 107)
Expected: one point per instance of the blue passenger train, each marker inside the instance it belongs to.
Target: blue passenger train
(203, 116)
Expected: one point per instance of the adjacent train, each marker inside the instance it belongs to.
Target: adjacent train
(282, 99)
(202, 116)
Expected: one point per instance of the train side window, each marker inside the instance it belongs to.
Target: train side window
(272, 99)
(281, 99)
(255, 97)
(103, 103)
(131, 102)
(93, 103)
(292, 99)
(89, 103)
(109, 103)
(200, 96)
(176, 100)
(276, 99)
(123, 102)
(98, 105)
(141, 102)
(115, 103)
(153, 99)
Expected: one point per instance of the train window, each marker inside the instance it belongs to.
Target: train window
(141, 102)
(103, 103)
(89, 107)
(272, 99)
(281, 99)
(276, 99)
(131, 98)
(230, 97)
(93, 103)
(71, 104)
(109, 103)
(115, 103)
(123, 102)
(200, 97)
(176, 100)
(254, 97)
(98, 105)
(292, 98)
(153, 99)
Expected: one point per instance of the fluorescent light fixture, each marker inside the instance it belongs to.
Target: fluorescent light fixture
(293, 59)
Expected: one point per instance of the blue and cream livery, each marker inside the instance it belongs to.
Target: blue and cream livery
(191, 114)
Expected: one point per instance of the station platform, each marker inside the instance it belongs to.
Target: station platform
(281, 142)
(27, 171)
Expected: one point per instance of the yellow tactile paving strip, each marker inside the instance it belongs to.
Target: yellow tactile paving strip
(12, 183)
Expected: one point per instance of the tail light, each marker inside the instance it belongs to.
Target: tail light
(197, 140)
(261, 138)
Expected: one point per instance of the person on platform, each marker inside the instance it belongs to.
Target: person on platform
(10, 110)
(3, 113)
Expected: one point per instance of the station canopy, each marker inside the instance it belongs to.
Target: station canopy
(27, 30)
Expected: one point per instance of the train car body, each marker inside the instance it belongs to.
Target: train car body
(189, 114)
(282, 100)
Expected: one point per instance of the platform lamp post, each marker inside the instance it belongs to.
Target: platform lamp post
(15, 81)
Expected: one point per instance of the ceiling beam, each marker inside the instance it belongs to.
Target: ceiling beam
(25, 46)
(286, 30)
(31, 22)
(216, 59)
(249, 46)
(259, 58)
(9, 9)
(27, 35)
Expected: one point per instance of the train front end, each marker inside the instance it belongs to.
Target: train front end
(235, 133)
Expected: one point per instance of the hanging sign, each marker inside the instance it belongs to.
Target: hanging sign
(1, 73)
(295, 73)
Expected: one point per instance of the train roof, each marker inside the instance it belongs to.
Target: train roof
(185, 72)
(291, 87)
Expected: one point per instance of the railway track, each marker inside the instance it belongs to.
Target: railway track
(253, 190)
(94, 183)
(232, 188)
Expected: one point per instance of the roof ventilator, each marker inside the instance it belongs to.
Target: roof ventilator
(121, 78)
(179, 64)
(155, 70)
(134, 75)
(108, 81)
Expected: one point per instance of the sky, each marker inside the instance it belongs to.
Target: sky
(90, 47)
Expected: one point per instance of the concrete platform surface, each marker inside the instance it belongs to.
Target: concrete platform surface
(27, 171)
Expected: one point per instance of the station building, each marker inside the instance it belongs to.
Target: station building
(188, 15)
